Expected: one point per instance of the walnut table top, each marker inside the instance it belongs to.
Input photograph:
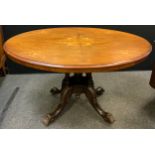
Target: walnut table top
(77, 49)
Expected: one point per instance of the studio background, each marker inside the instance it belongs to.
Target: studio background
(146, 31)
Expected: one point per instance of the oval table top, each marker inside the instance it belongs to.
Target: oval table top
(77, 49)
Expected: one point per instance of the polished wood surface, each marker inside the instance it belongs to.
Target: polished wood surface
(77, 49)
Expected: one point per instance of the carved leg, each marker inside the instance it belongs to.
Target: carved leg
(99, 91)
(49, 118)
(77, 84)
(55, 91)
(65, 83)
(91, 95)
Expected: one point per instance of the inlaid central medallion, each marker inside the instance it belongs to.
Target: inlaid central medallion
(77, 41)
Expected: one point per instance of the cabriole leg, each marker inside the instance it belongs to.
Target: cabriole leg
(49, 118)
(91, 95)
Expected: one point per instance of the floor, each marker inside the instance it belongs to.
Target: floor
(24, 99)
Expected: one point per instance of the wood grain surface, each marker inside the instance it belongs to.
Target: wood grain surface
(77, 49)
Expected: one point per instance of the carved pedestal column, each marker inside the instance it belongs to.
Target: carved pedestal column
(77, 84)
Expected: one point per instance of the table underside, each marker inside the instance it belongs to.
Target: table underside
(77, 84)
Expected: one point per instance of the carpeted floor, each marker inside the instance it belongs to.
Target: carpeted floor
(128, 97)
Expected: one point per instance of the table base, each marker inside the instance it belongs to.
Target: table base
(77, 84)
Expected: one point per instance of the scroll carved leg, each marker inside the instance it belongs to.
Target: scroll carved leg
(91, 95)
(99, 91)
(77, 84)
(49, 118)
(65, 83)
(55, 91)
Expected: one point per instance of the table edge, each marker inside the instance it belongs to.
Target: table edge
(77, 69)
